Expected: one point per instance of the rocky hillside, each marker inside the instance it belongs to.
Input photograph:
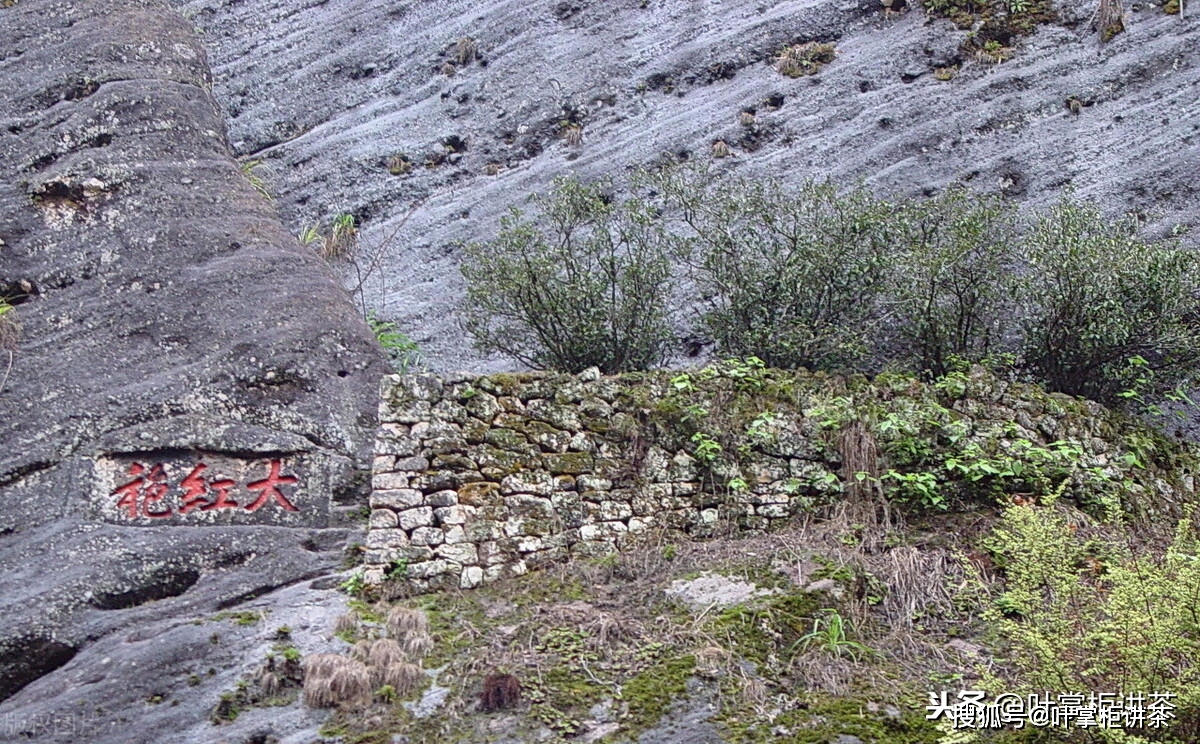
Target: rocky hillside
(168, 321)
(187, 421)
(328, 94)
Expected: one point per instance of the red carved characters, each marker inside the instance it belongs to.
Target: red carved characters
(141, 496)
(269, 486)
(138, 494)
(195, 490)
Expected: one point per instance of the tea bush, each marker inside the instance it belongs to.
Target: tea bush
(813, 277)
(1100, 296)
(584, 282)
(791, 277)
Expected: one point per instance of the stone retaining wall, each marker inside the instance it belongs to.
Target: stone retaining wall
(478, 478)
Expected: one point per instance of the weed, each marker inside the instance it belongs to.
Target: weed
(804, 59)
(250, 169)
(829, 635)
(401, 350)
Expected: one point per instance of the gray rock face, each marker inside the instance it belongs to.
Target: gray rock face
(326, 93)
(169, 322)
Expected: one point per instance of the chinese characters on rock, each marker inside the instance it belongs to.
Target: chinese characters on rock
(145, 494)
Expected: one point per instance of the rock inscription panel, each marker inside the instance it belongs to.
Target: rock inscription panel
(203, 488)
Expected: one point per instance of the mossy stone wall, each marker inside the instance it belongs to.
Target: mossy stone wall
(481, 477)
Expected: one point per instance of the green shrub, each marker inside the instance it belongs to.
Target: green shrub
(584, 283)
(951, 288)
(1093, 614)
(790, 277)
(1098, 295)
(402, 351)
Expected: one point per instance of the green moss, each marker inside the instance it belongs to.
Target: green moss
(821, 719)
(767, 631)
(365, 611)
(568, 463)
(650, 693)
(244, 619)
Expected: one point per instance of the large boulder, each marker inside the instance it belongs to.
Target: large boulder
(193, 393)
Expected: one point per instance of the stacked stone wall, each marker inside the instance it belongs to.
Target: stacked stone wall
(484, 477)
(479, 478)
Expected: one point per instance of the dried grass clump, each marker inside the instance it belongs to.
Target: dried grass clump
(399, 165)
(267, 680)
(417, 645)
(10, 326)
(346, 624)
(466, 50)
(403, 620)
(341, 240)
(333, 680)
(385, 652)
(804, 59)
(402, 676)
(1110, 17)
(572, 134)
(500, 692)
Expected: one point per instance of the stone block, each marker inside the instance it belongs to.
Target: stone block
(386, 538)
(412, 464)
(389, 481)
(532, 482)
(428, 536)
(428, 569)
(383, 519)
(443, 499)
(401, 498)
(421, 516)
(454, 515)
(478, 493)
(463, 553)
(471, 577)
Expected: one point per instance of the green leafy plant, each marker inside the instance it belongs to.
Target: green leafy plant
(584, 283)
(706, 448)
(355, 585)
(402, 351)
(792, 277)
(1099, 296)
(397, 570)
(920, 488)
(829, 635)
(951, 291)
(1142, 381)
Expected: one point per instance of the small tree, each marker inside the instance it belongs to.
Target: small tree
(1099, 297)
(792, 278)
(584, 283)
(951, 287)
